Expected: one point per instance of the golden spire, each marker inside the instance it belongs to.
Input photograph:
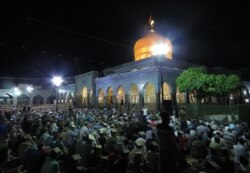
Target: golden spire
(151, 23)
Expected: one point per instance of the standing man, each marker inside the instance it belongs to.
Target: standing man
(183, 118)
(167, 142)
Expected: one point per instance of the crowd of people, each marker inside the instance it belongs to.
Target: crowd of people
(105, 141)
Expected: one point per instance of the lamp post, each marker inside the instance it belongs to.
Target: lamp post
(57, 81)
(162, 89)
(17, 93)
(159, 50)
(29, 90)
(230, 103)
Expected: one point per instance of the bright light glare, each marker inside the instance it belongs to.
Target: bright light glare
(160, 49)
(61, 91)
(29, 89)
(245, 92)
(57, 80)
(17, 91)
(231, 97)
(247, 100)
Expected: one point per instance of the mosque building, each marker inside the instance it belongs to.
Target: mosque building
(147, 82)
(138, 84)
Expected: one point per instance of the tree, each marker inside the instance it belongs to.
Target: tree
(193, 80)
(198, 82)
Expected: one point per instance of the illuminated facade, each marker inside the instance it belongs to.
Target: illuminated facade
(137, 84)
(148, 82)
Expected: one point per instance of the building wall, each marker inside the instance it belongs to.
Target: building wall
(85, 80)
(140, 78)
(85, 91)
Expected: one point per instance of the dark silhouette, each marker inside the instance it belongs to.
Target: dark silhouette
(167, 142)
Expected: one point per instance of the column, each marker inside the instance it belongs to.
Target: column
(158, 102)
(88, 100)
(15, 101)
(127, 103)
(141, 101)
(173, 96)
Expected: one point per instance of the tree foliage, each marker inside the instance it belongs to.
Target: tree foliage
(201, 84)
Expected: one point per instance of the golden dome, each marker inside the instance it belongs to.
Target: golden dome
(152, 44)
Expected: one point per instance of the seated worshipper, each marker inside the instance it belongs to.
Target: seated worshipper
(102, 140)
(239, 149)
(142, 118)
(84, 131)
(71, 137)
(85, 151)
(58, 142)
(198, 149)
(112, 158)
(225, 162)
(45, 135)
(139, 147)
(182, 141)
(121, 163)
(121, 139)
(3, 150)
(244, 164)
(229, 138)
(51, 165)
(111, 141)
(202, 130)
(153, 157)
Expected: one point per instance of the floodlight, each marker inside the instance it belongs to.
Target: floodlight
(57, 80)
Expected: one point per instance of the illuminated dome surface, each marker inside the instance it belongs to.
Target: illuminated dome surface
(152, 44)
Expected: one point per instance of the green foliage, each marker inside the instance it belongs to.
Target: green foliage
(233, 82)
(191, 80)
(197, 82)
(220, 84)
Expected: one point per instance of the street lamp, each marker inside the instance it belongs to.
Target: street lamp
(29, 90)
(159, 50)
(57, 81)
(17, 91)
(231, 97)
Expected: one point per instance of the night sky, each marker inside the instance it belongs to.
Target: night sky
(39, 39)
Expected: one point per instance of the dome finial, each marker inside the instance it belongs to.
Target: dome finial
(151, 23)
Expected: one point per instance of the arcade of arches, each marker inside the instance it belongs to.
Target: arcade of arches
(134, 95)
(133, 98)
(39, 99)
(149, 96)
(87, 97)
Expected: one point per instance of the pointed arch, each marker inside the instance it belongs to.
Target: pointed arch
(23, 100)
(84, 97)
(149, 95)
(120, 95)
(90, 97)
(101, 97)
(51, 99)
(110, 97)
(166, 92)
(38, 100)
(134, 94)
